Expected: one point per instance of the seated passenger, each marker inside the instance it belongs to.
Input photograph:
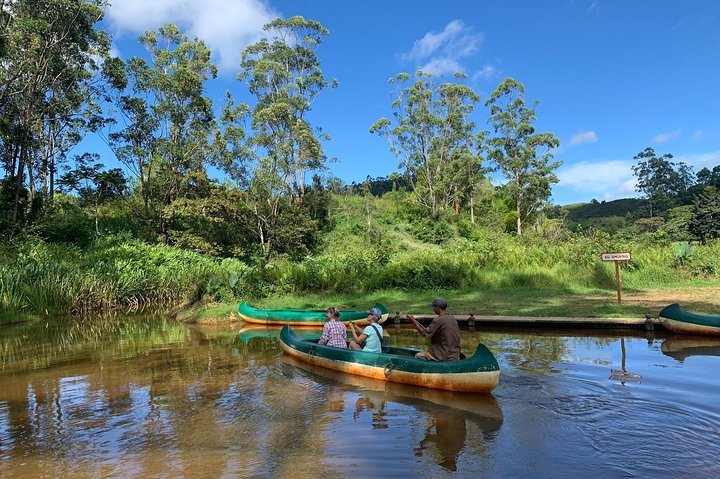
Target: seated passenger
(371, 336)
(334, 333)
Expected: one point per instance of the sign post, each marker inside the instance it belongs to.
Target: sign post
(616, 258)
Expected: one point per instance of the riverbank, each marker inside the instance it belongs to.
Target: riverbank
(701, 297)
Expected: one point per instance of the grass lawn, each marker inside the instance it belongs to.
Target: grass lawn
(697, 297)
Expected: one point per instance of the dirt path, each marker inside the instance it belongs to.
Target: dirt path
(700, 299)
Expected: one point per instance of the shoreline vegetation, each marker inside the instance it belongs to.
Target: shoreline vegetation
(489, 274)
(701, 297)
(209, 200)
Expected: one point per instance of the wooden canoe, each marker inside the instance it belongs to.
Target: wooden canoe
(301, 317)
(478, 373)
(677, 320)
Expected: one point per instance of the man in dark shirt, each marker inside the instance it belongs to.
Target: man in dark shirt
(444, 334)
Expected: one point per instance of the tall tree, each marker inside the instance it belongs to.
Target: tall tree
(49, 79)
(518, 152)
(708, 177)
(283, 73)
(167, 139)
(434, 139)
(665, 184)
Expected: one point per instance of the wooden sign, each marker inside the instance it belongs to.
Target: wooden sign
(616, 258)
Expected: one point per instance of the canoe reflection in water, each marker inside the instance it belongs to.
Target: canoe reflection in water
(450, 415)
(682, 347)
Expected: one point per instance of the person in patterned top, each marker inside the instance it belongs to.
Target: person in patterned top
(334, 333)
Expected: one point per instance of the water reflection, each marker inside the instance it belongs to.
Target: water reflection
(444, 438)
(150, 397)
(376, 408)
(445, 412)
(682, 347)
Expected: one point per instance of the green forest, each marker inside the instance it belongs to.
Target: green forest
(151, 227)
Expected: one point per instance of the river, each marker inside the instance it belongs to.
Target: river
(148, 397)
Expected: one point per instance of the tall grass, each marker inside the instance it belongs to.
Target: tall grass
(38, 278)
(121, 273)
(503, 263)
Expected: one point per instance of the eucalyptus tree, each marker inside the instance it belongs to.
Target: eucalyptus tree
(169, 121)
(665, 184)
(50, 78)
(283, 74)
(434, 139)
(708, 177)
(518, 152)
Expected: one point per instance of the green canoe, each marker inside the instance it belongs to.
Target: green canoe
(300, 317)
(478, 373)
(679, 321)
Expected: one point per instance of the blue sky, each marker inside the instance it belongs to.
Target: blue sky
(612, 77)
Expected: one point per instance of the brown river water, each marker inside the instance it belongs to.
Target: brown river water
(147, 397)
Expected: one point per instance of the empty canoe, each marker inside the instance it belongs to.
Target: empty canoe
(301, 317)
(679, 321)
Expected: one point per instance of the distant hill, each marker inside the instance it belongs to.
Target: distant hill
(604, 209)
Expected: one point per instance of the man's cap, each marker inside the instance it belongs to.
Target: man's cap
(375, 312)
(440, 303)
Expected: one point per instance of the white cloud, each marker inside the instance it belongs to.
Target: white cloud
(442, 66)
(583, 137)
(226, 26)
(488, 72)
(456, 40)
(606, 179)
(697, 135)
(442, 52)
(664, 137)
(628, 187)
(699, 160)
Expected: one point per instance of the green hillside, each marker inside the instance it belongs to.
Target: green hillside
(603, 209)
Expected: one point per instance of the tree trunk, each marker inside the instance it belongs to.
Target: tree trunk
(457, 202)
(51, 190)
(517, 203)
(519, 221)
(18, 182)
(472, 208)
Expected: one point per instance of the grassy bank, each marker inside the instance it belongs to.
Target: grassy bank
(483, 273)
(699, 296)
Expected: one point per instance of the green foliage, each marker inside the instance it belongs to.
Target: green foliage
(435, 140)
(683, 253)
(518, 152)
(65, 221)
(215, 224)
(664, 183)
(114, 272)
(283, 74)
(705, 221)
